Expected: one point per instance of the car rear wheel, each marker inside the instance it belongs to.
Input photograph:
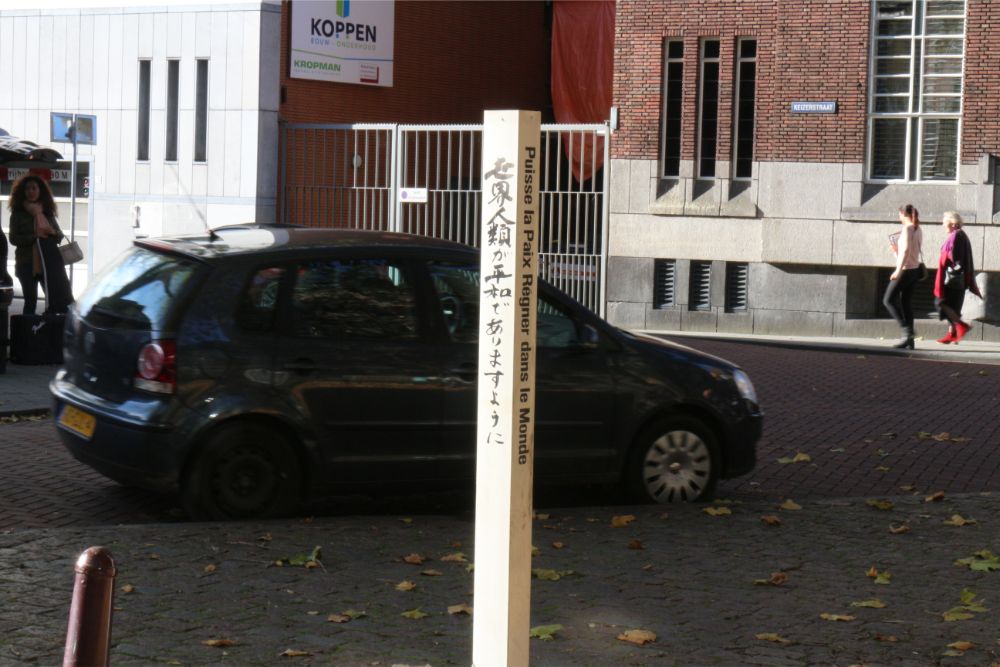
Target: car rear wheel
(675, 460)
(244, 471)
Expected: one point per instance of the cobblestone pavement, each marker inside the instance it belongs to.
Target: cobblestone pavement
(687, 576)
(867, 422)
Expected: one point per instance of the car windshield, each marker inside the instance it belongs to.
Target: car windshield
(137, 291)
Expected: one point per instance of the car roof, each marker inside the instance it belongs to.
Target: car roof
(266, 239)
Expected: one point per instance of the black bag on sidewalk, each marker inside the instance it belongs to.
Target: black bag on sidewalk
(37, 339)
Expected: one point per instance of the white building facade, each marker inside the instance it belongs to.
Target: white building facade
(186, 99)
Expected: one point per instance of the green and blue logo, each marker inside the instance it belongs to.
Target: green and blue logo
(343, 8)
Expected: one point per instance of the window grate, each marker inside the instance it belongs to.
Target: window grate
(737, 286)
(701, 286)
(664, 283)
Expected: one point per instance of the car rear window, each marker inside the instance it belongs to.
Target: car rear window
(138, 291)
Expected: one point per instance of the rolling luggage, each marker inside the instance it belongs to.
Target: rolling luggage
(37, 339)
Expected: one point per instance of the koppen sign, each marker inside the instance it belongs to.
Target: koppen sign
(347, 41)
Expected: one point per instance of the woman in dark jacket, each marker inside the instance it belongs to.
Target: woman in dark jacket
(35, 235)
(949, 293)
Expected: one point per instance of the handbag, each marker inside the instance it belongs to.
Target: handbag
(954, 276)
(71, 252)
(924, 273)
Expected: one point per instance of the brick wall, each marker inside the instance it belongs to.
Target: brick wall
(806, 50)
(452, 61)
(980, 121)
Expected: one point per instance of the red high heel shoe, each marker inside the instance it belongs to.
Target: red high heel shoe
(949, 337)
(961, 328)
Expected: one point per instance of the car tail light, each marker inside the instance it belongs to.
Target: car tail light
(157, 367)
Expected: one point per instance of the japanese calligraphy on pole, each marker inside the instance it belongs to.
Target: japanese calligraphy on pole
(506, 420)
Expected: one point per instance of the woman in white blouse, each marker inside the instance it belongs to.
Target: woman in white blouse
(908, 272)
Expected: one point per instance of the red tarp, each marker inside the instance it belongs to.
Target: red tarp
(583, 40)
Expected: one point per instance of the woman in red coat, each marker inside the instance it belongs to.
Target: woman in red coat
(955, 274)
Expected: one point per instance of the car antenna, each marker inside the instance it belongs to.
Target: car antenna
(212, 236)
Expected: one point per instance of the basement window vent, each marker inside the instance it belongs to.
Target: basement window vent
(737, 286)
(701, 286)
(664, 283)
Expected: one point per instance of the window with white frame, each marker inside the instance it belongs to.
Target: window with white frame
(915, 105)
(673, 97)
(708, 107)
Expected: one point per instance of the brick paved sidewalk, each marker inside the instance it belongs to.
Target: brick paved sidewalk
(686, 576)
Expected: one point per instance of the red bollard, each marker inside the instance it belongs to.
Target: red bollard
(88, 637)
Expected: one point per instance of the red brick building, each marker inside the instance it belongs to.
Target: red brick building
(763, 148)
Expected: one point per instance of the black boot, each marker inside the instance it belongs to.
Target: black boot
(906, 342)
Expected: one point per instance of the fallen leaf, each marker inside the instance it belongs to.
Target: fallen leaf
(266, 537)
(406, 519)
(882, 452)
(884, 505)
(456, 545)
(543, 517)
(838, 450)
(717, 511)
(935, 497)
(457, 557)
(799, 457)
(790, 505)
(981, 561)
(647, 567)
(209, 569)
(772, 637)
(292, 653)
(460, 609)
(127, 588)
(544, 632)
(535, 551)
(777, 579)
(874, 603)
(312, 613)
(872, 572)
(961, 645)
(886, 638)
(558, 545)
(550, 575)
(884, 577)
(639, 637)
(883, 468)
(907, 488)
(899, 528)
(218, 643)
(771, 520)
(941, 437)
(302, 560)
(622, 521)
(982, 372)
(664, 516)
(405, 586)
(635, 545)
(338, 618)
(957, 614)
(836, 617)
(414, 614)
(414, 559)
(958, 520)
(431, 573)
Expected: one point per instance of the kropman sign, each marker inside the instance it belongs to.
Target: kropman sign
(347, 41)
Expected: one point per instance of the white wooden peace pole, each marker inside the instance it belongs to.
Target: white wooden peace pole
(506, 432)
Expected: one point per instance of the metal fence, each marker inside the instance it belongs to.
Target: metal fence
(365, 176)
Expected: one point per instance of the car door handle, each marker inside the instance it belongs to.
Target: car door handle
(301, 366)
(463, 373)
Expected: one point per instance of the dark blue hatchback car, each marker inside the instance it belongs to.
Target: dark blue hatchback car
(256, 367)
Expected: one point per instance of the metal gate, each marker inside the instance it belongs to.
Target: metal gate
(425, 179)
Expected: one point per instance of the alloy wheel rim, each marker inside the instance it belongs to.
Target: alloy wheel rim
(677, 467)
(244, 480)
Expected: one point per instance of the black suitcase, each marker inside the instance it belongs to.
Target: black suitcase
(37, 339)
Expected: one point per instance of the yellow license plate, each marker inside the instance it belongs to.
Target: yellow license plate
(78, 421)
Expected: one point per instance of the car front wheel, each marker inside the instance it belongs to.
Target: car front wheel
(244, 471)
(675, 460)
